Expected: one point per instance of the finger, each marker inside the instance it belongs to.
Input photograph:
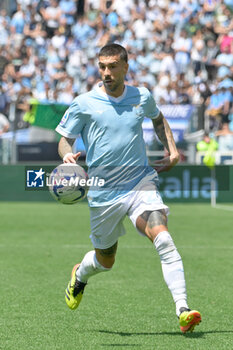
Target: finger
(70, 159)
(77, 155)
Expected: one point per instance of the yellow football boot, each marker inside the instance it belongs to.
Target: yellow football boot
(188, 319)
(74, 291)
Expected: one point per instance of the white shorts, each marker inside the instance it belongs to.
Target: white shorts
(107, 221)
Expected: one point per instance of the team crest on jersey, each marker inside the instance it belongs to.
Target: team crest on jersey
(64, 118)
(138, 110)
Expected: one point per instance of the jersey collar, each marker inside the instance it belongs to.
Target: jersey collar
(111, 98)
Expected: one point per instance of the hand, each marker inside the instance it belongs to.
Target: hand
(71, 157)
(166, 163)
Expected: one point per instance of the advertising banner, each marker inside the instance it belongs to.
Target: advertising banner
(178, 117)
(181, 184)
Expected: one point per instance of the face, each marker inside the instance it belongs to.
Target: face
(113, 70)
(207, 138)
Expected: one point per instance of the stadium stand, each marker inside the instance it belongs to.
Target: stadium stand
(182, 51)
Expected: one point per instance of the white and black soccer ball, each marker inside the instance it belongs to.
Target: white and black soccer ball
(67, 183)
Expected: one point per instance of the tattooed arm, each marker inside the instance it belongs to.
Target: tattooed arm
(65, 150)
(165, 135)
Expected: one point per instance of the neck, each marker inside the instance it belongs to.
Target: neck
(118, 92)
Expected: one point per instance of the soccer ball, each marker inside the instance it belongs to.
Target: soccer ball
(67, 183)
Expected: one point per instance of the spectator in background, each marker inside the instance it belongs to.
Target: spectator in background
(182, 46)
(91, 69)
(69, 10)
(65, 91)
(4, 124)
(4, 37)
(207, 144)
(183, 97)
(211, 51)
(200, 92)
(160, 90)
(219, 105)
(225, 138)
(225, 42)
(26, 71)
(82, 31)
(214, 109)
(225, 59)
(124, 9)
(164, 38)
(4, 101)
(168, 63)
(59, 39)
(147, 78)
(51, 15)
(197, 51)
(193, 26)
(18, 21)
(25, 3)
(226, 98)
(4, 60)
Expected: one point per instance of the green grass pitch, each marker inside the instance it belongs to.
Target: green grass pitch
(127, 308)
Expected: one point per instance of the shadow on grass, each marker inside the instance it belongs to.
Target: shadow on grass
(128, 334)
(187, 335)
(194, 335)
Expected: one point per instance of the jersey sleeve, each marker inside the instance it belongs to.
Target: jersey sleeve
(151, 109)
(72, 122)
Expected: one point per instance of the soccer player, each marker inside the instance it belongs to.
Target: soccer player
(109, 118)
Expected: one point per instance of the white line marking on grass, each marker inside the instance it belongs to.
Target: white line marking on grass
(87, 246)
(223, 207)
(76, 246)
(205, 247)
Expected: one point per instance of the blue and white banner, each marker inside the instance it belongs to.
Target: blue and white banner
(178, 117)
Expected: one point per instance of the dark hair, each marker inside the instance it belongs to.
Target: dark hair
(114, 50)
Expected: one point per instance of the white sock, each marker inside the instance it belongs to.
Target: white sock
(89, 267)
(172, 267)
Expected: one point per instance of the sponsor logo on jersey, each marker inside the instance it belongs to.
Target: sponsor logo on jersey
(64, 118)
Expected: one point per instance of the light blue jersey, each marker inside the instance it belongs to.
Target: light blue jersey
(111, 129)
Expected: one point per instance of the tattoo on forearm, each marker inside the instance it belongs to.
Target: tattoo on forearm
(162, 134)
(165, 135)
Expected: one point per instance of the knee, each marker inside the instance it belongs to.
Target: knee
(153, 232)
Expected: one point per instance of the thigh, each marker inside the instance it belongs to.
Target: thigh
(147, 201)
(151, 223)
(107, 225)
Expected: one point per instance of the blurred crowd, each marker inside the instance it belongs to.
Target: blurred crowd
(181, 50)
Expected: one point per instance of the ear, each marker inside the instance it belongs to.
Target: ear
(126, 67)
